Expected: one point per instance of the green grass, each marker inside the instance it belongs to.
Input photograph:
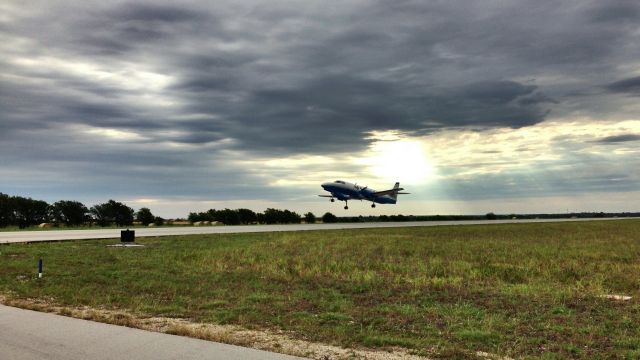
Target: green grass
(519, 290)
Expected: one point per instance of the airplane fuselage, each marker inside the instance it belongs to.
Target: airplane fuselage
(344, 191)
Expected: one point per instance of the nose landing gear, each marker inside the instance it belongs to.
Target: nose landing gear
(373, 205)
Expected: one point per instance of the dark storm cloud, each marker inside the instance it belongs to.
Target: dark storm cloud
(620, 138)
(155, 13)
(497, 92)
(335, 112)
(205, 83)
(302, 117)
(277, 78)
(629, 86)
(618, 12)
(31, 107)
(138, 22)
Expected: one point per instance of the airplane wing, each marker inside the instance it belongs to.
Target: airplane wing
(341, 197)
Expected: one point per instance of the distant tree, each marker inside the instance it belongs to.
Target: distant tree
(144, 216)
(112, 212)
(193, 217)
(123, 214)
(272, 216)
(309, 218)
(6, 210)
(158, 221)
(102, 214)
(247, 216)
(491, 216)
(227, 217)
(291, 217)
(329, 218)
(70, 213)
(27, 211)
(276, 216)
(209, 215)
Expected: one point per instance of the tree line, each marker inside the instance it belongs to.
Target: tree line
(23, 212)
(248, 216)
(269, 216)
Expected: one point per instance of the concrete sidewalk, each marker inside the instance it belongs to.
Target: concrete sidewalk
(31, 335)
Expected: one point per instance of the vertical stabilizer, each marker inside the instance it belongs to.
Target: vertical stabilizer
(394, 194)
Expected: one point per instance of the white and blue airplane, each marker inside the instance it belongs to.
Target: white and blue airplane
(345, 191)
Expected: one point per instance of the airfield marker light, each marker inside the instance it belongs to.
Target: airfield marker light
(40, 269)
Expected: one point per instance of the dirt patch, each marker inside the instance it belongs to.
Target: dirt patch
(230, 334)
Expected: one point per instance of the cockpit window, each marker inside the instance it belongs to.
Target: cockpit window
(339, 181)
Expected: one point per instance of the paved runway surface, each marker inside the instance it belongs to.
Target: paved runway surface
(55, 235)
(30, 335)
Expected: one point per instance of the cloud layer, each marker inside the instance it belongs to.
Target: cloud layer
(157, 99)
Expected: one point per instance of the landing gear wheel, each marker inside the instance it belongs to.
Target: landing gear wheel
(346, 207)
(373, 205)
(332, 199)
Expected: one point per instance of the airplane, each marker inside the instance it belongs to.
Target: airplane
(345, 191)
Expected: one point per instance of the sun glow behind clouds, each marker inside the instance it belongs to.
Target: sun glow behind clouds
(394, 158)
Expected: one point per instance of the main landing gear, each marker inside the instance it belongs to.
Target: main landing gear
(346, 207)
(373, 205)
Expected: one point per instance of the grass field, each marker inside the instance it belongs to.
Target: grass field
(517, 290)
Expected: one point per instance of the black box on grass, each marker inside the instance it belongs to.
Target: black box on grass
(127, 235)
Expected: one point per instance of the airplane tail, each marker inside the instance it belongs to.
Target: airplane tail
(394, 193)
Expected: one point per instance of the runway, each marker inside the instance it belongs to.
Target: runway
(60, 235)
(30, 335)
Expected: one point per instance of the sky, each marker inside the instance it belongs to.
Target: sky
(473, 106)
